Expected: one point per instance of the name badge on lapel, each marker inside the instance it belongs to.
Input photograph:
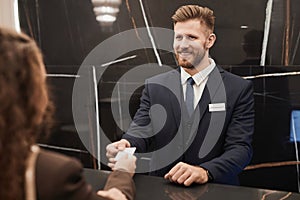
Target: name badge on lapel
(215, 107)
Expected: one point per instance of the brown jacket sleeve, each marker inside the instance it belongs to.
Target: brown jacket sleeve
(123, 181)
(61, 178)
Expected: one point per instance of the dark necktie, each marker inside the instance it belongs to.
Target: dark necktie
(189, 95)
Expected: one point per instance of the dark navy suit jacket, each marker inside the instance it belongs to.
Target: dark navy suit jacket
(217, 137)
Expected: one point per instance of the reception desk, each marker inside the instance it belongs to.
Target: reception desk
(149, 187)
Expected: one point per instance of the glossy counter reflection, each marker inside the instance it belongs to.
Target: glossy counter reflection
(149, 187)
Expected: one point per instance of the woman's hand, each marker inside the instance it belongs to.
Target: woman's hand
(113, 194)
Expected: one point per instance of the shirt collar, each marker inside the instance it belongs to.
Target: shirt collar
(200, 76)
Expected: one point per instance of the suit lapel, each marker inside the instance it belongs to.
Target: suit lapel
(174, 84)
(204, 101)
(217, 94)
(210, 90)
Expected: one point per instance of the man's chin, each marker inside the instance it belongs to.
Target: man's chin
(186, 64)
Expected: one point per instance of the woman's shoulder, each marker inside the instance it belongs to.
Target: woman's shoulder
(56, 168)
(56, 160)
(59, 176)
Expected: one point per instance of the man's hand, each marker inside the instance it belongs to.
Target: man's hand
(186, 174)
(113, 193)
(112, 150)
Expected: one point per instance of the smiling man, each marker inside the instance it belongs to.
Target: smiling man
(204, 133)
(192, 41)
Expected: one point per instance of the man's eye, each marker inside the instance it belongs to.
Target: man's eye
(192, 37)
(178, 37)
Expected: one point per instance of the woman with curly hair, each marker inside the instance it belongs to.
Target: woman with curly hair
(25, 111)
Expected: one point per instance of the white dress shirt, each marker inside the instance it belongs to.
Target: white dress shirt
(200, 81)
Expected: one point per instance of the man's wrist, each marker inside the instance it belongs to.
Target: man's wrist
(209, 176)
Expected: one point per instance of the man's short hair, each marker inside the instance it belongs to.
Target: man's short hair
(187, 12)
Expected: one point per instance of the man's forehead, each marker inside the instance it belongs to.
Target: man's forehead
(192, 26)
(186, 29)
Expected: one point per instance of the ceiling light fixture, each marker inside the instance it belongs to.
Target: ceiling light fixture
(106, 11)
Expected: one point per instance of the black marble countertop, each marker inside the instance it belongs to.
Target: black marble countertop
(149, 187)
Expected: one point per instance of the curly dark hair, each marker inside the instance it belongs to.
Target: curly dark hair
(25, 108)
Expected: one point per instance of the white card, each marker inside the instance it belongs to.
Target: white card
(129, 151)
(214, 107)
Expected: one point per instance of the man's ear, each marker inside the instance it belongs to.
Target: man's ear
(210, 40)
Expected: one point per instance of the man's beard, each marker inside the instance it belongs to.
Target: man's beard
(184, 63)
